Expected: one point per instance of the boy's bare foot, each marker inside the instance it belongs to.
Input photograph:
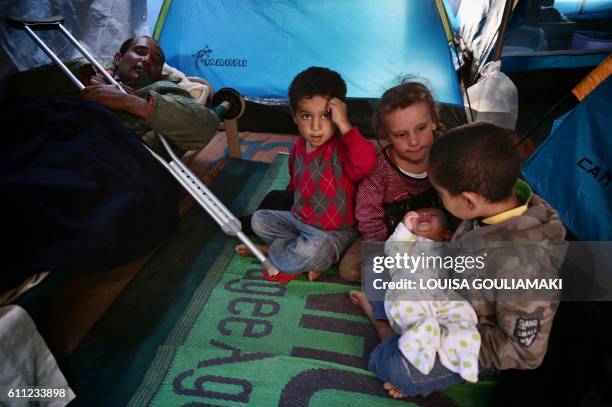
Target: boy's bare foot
(360, 298)
(313, 275)
(393, 391)
(383, 329)
(244, 251)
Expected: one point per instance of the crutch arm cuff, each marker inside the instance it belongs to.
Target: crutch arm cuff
(20, 22)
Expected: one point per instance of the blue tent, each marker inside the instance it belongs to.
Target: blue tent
(558, 34)
(572, 169)
(258, 46)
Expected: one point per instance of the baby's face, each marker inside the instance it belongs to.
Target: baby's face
(430, 224)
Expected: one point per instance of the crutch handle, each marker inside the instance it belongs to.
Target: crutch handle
(39, 23)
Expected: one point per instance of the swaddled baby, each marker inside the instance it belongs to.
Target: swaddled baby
(430, 323)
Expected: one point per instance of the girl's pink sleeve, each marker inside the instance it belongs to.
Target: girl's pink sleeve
(368, 207)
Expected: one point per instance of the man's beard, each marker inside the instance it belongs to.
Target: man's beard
(143, 79)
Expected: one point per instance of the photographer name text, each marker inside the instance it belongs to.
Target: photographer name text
(469, 284)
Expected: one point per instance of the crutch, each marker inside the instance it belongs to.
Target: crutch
(200, 193)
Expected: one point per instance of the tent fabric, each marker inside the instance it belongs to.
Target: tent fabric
(258, 46)
(533, 41)
(520, 62)
(154, 14)
(100, 25)
(543, 36)
(572, 169)
(585, 9)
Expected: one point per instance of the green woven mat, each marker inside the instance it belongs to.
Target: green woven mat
(243, 340)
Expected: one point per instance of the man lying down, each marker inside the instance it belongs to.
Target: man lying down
(153, 103)
(80, 191)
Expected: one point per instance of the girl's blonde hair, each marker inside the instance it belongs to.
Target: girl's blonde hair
(401, 96)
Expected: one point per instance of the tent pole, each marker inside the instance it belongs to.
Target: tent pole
(502, 31)
(542, 120)
(463, 84)
(599, 74)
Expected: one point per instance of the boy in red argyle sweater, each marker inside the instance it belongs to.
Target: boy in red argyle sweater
(325, 166)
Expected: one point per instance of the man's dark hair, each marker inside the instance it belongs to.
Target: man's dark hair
(128, 43)
(477, 157)
(316, 81)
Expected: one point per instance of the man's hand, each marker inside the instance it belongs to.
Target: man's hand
(99, 80)
(338, 114)
(113, 98)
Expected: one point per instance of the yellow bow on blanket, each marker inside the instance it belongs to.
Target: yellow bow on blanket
(443, 328)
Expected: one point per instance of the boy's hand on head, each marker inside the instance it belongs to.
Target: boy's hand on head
(339, 115)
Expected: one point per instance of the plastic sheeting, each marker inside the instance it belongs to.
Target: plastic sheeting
(572, 169)
(258, 46)
(100, 25)
(478, 22)
(494, 97)
(27, 362)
